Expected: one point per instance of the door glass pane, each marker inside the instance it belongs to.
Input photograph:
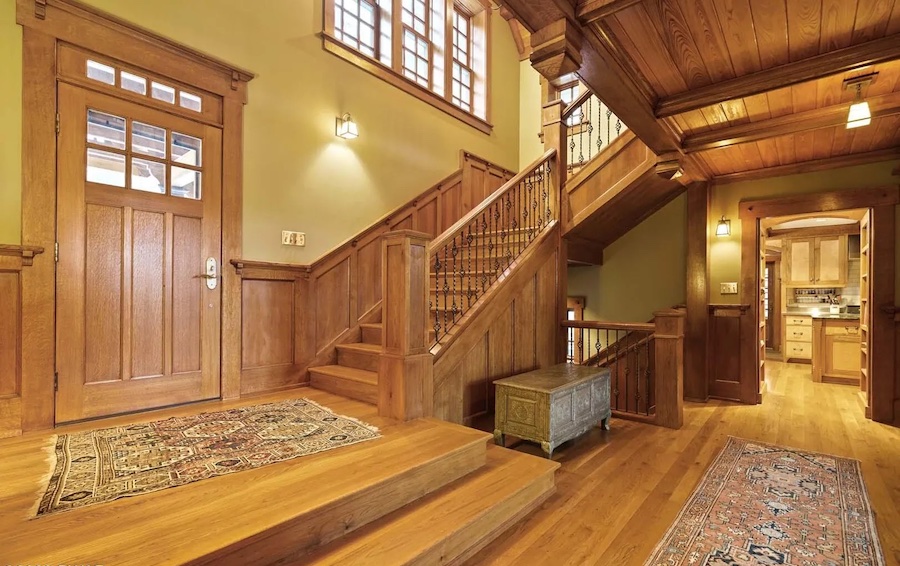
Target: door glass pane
(148, 176)
(163, 92)
(105, 167)
(186, 149)
(185, 183)
(100, 72)
(133, 83)
(190, 101)
(105, 129)
(149, 140)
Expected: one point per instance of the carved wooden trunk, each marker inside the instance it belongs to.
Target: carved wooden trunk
(552, 405)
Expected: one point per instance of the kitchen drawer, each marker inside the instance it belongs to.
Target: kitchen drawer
(833, 330)
(793, 320)
(799, 333)
(799, 350)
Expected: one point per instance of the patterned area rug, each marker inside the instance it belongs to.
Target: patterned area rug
(103, 465)
(765, 504)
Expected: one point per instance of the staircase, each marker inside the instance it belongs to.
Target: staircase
(356, 373)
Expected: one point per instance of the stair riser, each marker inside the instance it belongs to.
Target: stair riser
(364, 392)
(371, 335)
(359, 360)
(347, 514)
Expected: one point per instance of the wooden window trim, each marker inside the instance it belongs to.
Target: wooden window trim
(394, 74)
(470, 50)
(46, 26)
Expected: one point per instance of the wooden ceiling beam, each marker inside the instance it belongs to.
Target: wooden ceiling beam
(811, 166)
(817, 119)
(825, 65)
(590, 11)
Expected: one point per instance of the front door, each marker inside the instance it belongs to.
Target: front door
(139, 232)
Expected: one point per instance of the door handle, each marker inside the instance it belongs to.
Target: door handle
(211, 275)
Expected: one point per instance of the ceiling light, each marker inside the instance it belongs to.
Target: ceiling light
(345, 127)
(723, 228)
(860, 114)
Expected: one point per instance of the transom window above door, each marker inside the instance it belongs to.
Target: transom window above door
(130, 154)
(436, 50)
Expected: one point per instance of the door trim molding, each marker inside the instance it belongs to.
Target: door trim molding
(882, 201)
(45, 24)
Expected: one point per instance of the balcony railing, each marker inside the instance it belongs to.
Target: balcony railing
(590, 127)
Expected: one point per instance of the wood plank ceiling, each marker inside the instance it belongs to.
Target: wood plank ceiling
(744, 85)
(681, 46)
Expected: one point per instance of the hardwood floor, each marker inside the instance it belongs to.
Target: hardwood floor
(618, 491)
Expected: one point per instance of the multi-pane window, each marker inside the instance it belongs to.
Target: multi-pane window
(416, 46)
(437, 45)
(356, 24)
(567, 94)
(461, 79)
(137, 84)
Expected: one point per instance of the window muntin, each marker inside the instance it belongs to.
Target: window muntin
(158, 160)
(356, 24)
(461, 77)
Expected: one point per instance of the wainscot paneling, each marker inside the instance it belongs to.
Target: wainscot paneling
(272, 296)
(725, 350)
(12, 260)
(513, 331)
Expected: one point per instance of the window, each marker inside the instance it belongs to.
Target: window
(433, 49)
(137, 84)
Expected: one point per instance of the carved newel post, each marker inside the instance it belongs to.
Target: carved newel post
(405, 370)
(669, 337)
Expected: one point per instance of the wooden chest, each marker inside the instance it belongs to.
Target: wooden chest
(552, 405)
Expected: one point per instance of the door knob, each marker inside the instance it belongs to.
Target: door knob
(211, 275)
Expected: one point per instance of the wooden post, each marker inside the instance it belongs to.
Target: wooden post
(669, 337)
(554, 130)
(405, 370)
(696, 380)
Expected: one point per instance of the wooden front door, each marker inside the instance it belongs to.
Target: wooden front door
(139, 222)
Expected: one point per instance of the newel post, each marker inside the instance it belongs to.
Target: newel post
(669, 357)
(405, 369)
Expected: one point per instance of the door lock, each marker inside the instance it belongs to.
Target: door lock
(211, 275)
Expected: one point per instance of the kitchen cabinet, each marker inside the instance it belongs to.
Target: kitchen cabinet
(836, 348)
(798, 338)
(816, 262)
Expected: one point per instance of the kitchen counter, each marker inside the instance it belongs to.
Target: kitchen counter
(841, 316)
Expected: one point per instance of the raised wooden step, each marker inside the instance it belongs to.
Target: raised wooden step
(371, 333)
(359, 356)
(452, 524)
(349, 382)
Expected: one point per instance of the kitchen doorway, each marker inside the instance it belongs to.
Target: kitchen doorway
(817, 269)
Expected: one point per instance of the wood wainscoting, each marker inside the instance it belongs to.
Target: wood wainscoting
(12, 260)
(515, 332)
(724, 348)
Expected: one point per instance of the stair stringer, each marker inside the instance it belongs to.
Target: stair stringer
(513, 328)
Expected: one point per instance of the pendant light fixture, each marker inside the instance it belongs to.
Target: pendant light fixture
(860, 114)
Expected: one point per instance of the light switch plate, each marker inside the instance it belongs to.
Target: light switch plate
(728, 288)
(289, 238)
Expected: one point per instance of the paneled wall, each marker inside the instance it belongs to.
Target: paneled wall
(724, 350)
(12, 260)
(294, 316)
(514, 332)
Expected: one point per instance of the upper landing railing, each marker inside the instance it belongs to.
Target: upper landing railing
(590, 127)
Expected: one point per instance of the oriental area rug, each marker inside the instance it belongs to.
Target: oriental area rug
(106, 464)
(761, 504)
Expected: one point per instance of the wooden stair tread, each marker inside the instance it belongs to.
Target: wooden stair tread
(453, 523)
(361, 347)
(351, 374)
(285, 508)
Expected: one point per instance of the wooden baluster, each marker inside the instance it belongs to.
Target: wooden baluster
(669, 367)
(405, 369)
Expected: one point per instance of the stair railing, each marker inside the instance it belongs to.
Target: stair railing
(590, 127)
(474, 253)
(646, 363)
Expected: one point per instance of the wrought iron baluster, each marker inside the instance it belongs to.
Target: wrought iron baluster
(433, 299)
(608, 125)
(599, 125)
(580, 125)
(647, 388)
(590, 127)
(468, 287)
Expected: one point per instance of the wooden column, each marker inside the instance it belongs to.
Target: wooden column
(696, 331)
(669, 348)
(554, 130)
(405, 370)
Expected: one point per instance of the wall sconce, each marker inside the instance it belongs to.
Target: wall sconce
(860, 114)
(345, 127)
(723, 228)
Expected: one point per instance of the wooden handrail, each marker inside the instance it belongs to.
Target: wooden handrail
(576, 104)
(628, 326)
(452, 231)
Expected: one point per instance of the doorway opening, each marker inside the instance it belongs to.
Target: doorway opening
(814, 294)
